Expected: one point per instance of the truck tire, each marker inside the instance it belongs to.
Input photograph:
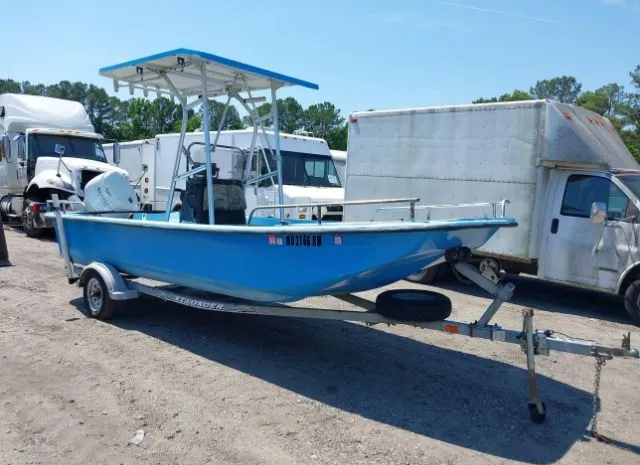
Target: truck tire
(413, 305)
(632, 301)
(27, 221)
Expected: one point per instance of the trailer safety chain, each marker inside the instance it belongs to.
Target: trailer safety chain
(601, 360)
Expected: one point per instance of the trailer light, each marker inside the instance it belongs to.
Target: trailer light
(146, 190)
(287, 215)
(146, 179)
(354, 120)
(451, 329)
(302, 217)
(34, 208)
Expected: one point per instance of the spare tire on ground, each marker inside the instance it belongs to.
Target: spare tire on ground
(413, 305)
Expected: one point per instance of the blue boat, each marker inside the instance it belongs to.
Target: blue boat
(271, 263)
(216, 249)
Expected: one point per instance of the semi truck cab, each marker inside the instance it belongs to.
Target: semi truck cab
(47, 146)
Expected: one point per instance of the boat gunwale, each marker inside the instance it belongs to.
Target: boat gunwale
(338, 228)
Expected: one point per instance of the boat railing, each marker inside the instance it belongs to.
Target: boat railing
(500, 207)
(318, 206)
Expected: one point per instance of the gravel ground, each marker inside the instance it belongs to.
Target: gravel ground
(241, 389)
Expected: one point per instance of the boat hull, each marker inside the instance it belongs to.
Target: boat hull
(270, 264)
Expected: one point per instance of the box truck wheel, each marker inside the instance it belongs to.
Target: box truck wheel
(632, 301)
(28, 222)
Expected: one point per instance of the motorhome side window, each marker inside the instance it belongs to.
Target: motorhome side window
(582, 190)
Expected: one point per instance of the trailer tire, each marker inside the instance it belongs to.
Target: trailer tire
(632, 301)
(96, 297)
(413, 305)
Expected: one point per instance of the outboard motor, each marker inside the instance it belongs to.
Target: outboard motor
(110, 192)
(229, 200)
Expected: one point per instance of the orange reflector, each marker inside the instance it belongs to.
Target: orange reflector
(302, 217)
(451, 329)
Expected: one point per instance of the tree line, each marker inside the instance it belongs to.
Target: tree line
(140, 118)
(611, 100)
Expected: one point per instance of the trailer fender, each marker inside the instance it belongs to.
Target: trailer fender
(630, 273)
(118, 289)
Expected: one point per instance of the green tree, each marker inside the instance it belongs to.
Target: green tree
(563, 89)
(514, 96)
(290, 115)
(337, 139)
(9, 86)
(231, 121)
(322, 119)
(605, 101)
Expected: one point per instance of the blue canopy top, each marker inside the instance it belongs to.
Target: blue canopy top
(184, 68)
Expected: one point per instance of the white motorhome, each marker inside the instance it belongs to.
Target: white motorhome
(340, 160)
(309, 174)
(48, 146)
(572, 185)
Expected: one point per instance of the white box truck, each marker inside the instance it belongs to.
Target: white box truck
(47, 145)
(572, 185)
(309, 174)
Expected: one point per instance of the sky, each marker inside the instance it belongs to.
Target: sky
(362, 54)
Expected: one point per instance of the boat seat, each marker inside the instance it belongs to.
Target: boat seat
(229, 202)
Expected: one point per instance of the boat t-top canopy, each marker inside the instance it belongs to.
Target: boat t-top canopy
(186, 67)
(185, 73)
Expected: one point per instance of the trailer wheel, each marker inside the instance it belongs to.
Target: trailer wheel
(632, 301)
(96, 297)
(536, 416)
(413, 305)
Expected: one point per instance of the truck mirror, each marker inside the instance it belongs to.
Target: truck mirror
(5, 147)
(116, 153)
(598, 212)
(59, 149)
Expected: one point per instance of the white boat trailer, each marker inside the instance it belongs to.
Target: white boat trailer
(104, 286)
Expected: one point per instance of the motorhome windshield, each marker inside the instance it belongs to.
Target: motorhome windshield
(43, 145)
(305, 169)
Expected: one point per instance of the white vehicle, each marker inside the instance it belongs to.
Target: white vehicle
(48, 146)
(571, 184)
(309, 174)
(340, 160)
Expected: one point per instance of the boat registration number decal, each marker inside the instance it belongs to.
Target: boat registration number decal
(303, 240)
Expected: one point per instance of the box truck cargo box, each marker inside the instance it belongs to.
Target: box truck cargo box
(560, 167)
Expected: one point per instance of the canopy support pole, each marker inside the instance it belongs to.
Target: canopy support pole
(276, 134)
(183, 130)
(207, 142)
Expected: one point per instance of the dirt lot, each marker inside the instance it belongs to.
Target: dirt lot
(241, 389)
